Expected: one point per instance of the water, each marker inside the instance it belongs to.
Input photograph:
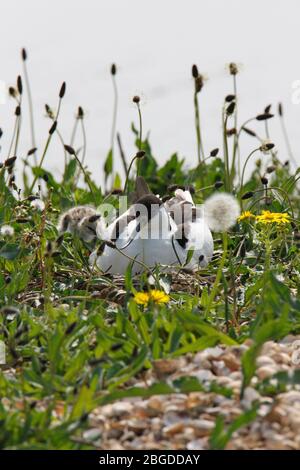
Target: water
(154, 45)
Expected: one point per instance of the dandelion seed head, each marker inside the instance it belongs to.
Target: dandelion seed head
(37, 205)
(221, 211)
(7, 231)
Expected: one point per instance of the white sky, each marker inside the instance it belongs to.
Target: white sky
(154, 43)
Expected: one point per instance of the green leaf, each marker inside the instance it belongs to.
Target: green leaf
(108, 165)
(84, 403)
(272, 330)
(70, 170)
(9, 251)
(220, 436)
(40, 172)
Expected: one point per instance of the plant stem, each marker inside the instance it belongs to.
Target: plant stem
(84, 141)
(46, 147)
(31, 117)
(140, 136)
(236, 141)
(86, 177)
(18, 128)
(128, 173)
(41, 162)
(215, 287)
(226, 156)
(122, 154)
(287, 141)
(245, 164)
(13, 136)
(74, 132)
(114, 121)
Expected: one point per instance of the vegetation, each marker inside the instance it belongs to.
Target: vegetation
(77, 338)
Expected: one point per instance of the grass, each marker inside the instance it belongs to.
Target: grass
(75, 338)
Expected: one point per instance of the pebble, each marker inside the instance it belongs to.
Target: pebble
(197, 444)
(202, 426)
(204, 375)
(265, 361)
(185, 421)
(265, 371)
(173, 429)
(250, 396)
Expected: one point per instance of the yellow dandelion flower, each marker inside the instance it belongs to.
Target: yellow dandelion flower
(159, 296)
(142, 298)
(283, 218)
(246, 215)
(267, 217)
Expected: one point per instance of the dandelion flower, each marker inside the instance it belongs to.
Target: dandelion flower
(221, 212)
(141, 298)
(80, 221)
(7, 231)
(158, 297)
(37, 205)
(246, 215)
(267, 217)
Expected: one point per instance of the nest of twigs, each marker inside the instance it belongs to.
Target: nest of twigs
(112, 287)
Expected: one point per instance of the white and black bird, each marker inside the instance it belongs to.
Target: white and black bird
(193, 241)
(154, 233)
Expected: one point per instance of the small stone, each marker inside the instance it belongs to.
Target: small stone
(213, 353)
(250, 396)
(164, 367)
(91, 434)
(204, 375)
(202, 361)
(202, 426)
(265, 371)
(291, 397)
(155, 405)
(219, 368)
(224, 381)
(265, 361)
(173, 429)
(237, 375)
(231, 362)
(281, 358)
(197, 444)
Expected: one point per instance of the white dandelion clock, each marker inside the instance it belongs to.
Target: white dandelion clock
(37, 205)
(221, 212)
(7, 231)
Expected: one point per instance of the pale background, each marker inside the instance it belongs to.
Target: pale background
(154, 43)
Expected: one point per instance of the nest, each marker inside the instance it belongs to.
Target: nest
(112, 287)
(180, 282)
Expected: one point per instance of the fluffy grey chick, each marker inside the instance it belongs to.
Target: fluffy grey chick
(80, 221)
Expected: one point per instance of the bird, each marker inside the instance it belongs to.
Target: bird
(152, 232)
(193, 241)
(81, 221)
(141, 236)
